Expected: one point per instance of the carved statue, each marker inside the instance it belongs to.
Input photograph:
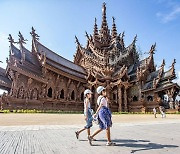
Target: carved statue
(21, 93)
(43, 91)
(176, 105)
(35, 94)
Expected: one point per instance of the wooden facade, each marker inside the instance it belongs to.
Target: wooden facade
(41, 79)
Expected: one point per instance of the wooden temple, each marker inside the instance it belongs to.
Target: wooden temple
(41, 79)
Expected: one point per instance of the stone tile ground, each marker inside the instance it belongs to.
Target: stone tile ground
(141, 137)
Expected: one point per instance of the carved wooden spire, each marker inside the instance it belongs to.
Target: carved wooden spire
(34, 34)
(95, 30)
(77, 41)
(153, 48)
(105, 36)
(135, 39)
(21, 42)
(104, 25)
(122, 40)
(11, 40)
(163, 64)
(173, 65)
(86, 34)
(35, 37)
(114, 31)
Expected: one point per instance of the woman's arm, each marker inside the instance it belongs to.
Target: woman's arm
(98, 109)
(86, 108)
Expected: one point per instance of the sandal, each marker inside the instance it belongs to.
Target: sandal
(77, 134)
(90, 140)
(93, 139)
(110, 144)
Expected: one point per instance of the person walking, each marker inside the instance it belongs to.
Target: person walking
(103, 114)
(163, 114)
(155, 112)
(88, 114)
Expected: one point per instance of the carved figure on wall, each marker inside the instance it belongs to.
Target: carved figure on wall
(35, 94)
(43, 93)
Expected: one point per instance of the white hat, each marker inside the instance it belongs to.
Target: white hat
(87, 91)
(100, 89)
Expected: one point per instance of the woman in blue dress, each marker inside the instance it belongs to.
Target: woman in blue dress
(103, 115)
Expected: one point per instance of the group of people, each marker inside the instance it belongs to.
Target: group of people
(162, 111)
(102, 115)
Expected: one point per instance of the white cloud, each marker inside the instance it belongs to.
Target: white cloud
(173, 14)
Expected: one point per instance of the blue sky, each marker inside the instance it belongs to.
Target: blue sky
(58, 21)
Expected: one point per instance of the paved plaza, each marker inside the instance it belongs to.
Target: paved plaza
(155, 136)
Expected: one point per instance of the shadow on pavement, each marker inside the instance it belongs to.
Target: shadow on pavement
(141, 145)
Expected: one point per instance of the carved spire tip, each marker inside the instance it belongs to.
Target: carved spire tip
(34, 34)
(76, 40)
(113, 20)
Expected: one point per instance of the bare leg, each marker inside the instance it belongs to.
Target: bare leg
(96, 132)
(81, 130)
(108, 134)
(88, 131)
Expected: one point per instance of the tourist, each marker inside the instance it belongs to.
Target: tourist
(88, 113)
(104, 116)
(155, 112)
(162, 111)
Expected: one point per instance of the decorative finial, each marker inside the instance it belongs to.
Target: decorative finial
(11, 40)
(87, 35)
(113, 20)
(104, 25)
(21, 39)
(95, 29)
(135, 39)
(163, 63)
(173, 63)
(114, 31)
(153, 48)
(34, 34)
(77, 41)
(123, 34)
(104, 8)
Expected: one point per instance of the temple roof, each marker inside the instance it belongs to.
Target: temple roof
(163, 82)
(166, 85)
(152, 75)
(59, 62)
(132, 69)
(30, 58)
(148, 85)
(170, 74)
(5, 83)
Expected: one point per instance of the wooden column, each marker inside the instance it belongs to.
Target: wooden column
(119, 98)
(125, 99)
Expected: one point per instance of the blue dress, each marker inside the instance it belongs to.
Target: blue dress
(104, 117)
